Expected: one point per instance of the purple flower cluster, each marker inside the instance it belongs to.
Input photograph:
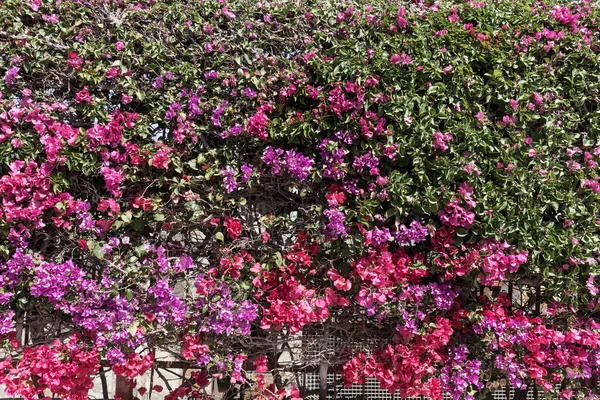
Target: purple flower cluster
(103, 307)
(491, 324)
(412, 320)
(235, 130)
(296, 164)
(7, 323)
(11, 272)
(171, 113)
(346, 137)
(225, 315)
(440, 296)
(409, 236)
(115, 356)
(10, 76)
(377, 236)
(97, 309)
(367, 160)
(180, 265)
(443, 295)
(247, 171)
(211, 75)
(229, 182)
(333, 159)
(86, 221)
(338, 102)
(158, 82)
(410, 325)
(459, 374)
(168, 307)
(18, 236)
(514, 371)
(336, 227)
(194, 108)
(351, 186)
(53, 280)
(250, 93)
(217, 113)
(161, 259)
(417, 293)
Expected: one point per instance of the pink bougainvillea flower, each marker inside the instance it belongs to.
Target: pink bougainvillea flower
(83, 96)
(53, 19)
(161, 160)
(112, 73)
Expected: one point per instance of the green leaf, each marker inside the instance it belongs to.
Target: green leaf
(99, 252)
(278, 259)
(126, 217)
(138, 224)
(132, 329)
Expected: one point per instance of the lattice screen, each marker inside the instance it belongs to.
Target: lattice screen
(371, 390)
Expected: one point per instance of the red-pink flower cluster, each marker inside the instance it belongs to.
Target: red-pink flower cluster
(64, 369)
(456, 215)
(381, 271)
(406, 366)
(293, 304)
(27, 192)
(134, 366)
(491, 258)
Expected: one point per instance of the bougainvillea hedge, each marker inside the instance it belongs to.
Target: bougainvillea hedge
(203, 172)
